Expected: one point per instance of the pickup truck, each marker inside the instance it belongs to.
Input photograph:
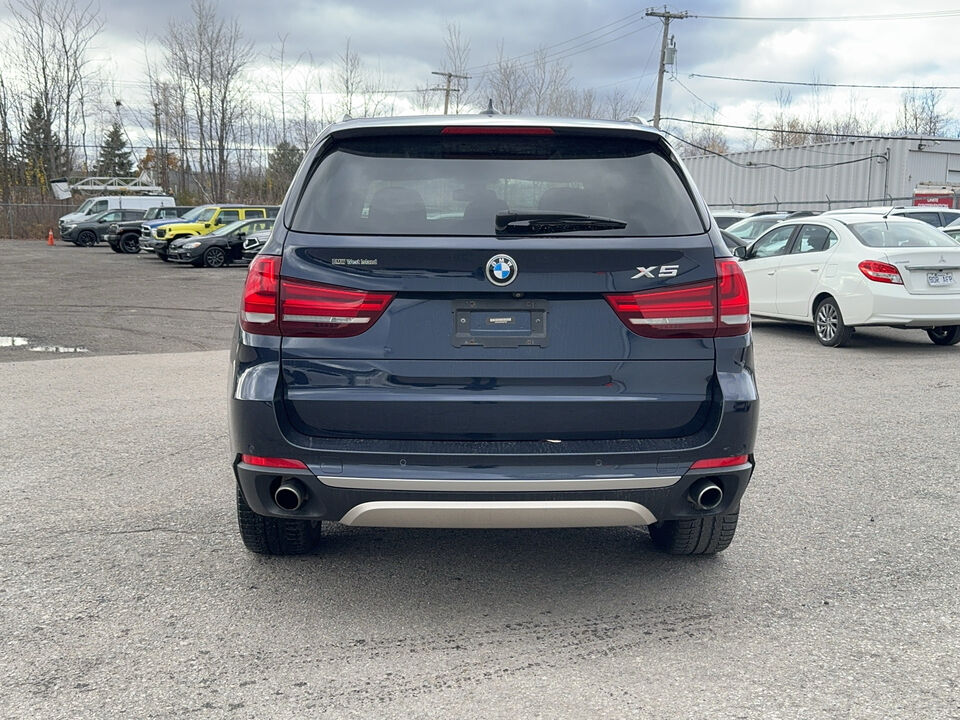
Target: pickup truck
(124, 237)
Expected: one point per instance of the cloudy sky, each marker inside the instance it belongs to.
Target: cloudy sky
(608, 45)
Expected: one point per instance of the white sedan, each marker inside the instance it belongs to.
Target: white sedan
(838, 272)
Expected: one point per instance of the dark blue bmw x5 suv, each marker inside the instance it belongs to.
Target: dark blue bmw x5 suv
(493, 322)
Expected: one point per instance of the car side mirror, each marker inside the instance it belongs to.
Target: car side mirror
(206, 225)
(740, 252)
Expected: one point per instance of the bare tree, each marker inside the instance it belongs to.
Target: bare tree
(347, 79)
(456, 60)
(209, 56)
(508, 84)
(921, 113)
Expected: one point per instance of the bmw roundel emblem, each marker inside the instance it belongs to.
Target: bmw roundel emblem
(501, 270)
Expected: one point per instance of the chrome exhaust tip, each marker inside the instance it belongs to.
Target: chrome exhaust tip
(289, 496)
(705, 495)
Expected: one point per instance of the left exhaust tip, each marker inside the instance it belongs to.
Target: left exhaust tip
(289, 496)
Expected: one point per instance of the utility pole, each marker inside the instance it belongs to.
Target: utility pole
(449, 88)
(665, 17)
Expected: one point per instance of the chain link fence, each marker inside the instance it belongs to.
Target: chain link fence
(31, 221)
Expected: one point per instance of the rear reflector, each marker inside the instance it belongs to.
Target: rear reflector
(283, 463)
(715, 308)
(719, 462)
(273, 305)
(494, 130)
(313, 310)
(881, 272)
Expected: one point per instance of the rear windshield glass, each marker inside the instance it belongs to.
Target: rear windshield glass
(901, 234)
(456, 185)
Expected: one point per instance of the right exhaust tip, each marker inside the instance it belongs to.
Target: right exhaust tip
(289, 496)
(705, 495)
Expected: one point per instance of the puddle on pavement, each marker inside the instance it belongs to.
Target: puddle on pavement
(14, 341)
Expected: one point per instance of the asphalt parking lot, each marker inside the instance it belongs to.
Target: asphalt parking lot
(126, 591)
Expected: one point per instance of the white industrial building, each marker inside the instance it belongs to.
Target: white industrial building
(828, 175)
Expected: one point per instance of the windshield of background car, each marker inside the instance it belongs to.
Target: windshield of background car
(205, 215)
(231, 228)
(194, 215)
(900, 234)
(750, 229)
(456, 184)
(84, 206)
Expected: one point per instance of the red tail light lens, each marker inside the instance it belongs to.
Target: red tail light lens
(679, 312)
(719, 308)
(258, 313)
(881, 272)
(719, 462)
(296, 308)
(734, 299)
(273, 462)
(313, 310)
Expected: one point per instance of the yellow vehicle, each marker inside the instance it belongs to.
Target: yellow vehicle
(200, 221)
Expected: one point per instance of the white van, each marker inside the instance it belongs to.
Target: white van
(95, 205)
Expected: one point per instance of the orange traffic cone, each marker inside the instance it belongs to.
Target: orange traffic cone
(49, 237)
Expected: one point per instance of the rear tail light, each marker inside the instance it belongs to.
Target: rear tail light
(719, 462)
(313, 310)
(273, 462)
(716, 308)
(881, 272)
(259, 311)
(273, 305)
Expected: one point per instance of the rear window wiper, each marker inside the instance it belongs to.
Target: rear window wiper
(542, 223)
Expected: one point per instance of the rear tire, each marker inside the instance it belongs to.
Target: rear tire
(275, 536)
(695, 536)
(946, 335)
(828, 324)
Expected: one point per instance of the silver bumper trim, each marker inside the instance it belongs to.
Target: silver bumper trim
(448, 485)
(499, 514)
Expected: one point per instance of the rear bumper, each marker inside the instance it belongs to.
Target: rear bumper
(344, 474)
(893, 305)
(524, 507)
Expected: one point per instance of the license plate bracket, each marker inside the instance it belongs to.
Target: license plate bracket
(499, 323)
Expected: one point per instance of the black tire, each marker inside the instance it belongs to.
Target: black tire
(945, 335)
(162, 255)
(130, 243)
(275, 536)
(87, 238)
(214, 257)
(115, 247)
(695, 536)
(828, 324)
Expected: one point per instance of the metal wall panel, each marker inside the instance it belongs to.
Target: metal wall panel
(837, 174)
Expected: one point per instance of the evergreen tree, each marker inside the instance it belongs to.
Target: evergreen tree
(42, 156)
(282, 165)
(114, 157)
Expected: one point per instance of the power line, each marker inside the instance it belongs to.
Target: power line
(761, 166)
(565, 42)
(813, 133)
(838, 18)
(823, 84)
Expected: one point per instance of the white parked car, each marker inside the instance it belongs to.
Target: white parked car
(839, 272)
(930, 214)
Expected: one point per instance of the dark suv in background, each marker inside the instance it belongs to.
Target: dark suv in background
(493, 322)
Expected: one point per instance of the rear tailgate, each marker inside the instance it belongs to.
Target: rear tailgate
(455, 358)
(485, 336)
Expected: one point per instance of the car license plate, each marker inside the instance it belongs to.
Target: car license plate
(939, 278)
